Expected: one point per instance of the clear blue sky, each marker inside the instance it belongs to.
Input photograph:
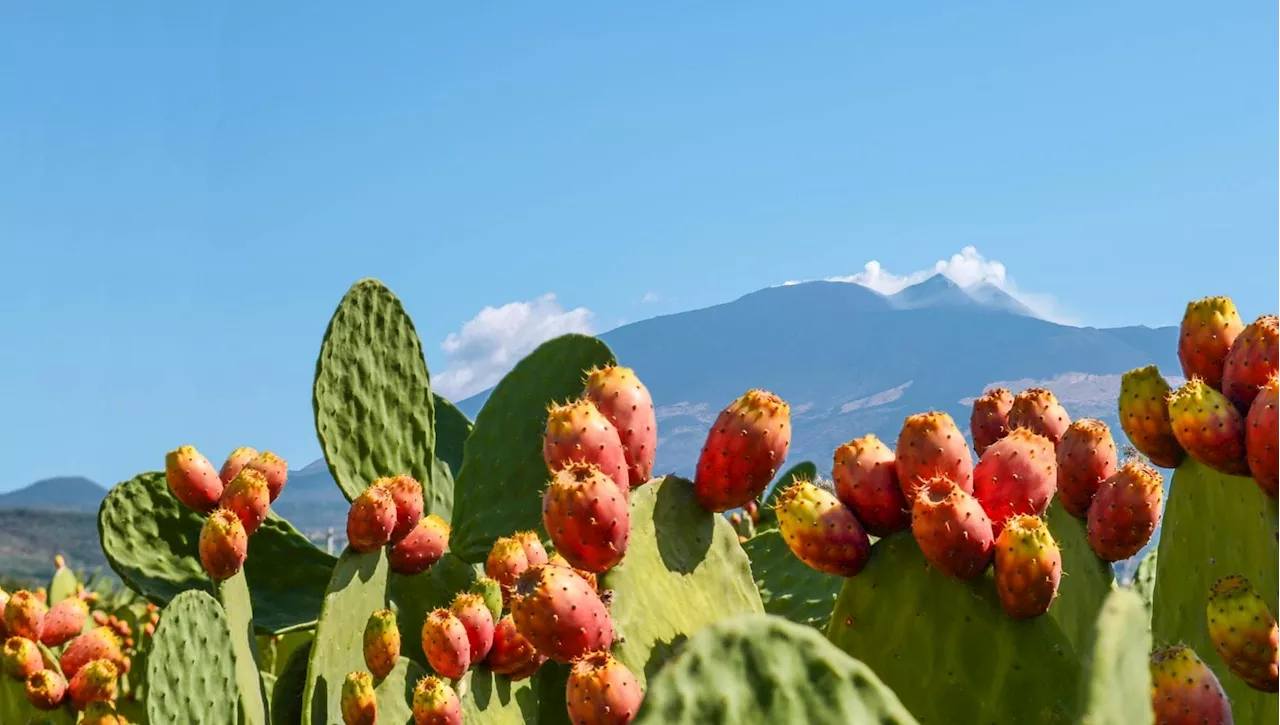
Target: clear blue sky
(186, 193)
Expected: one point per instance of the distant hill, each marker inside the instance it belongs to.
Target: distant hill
(63, 493)
(29, 540)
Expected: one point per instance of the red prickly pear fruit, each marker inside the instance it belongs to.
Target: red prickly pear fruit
(20, 658)
(224, 544)
(192, 479)
(752, 509)
(1018, 474)
(931, 446)
(1125, 511)
(577, 431)
(95, 682)
(444, 640)
(560, 614)
(422, 548)
(512, 654)
(625, 401)
(236, 461)
(64, 622)
(601, 691)
(745, 447)
(371, 519)
(490, 592)
(587, 518)
(1086, 457)
(1039, 411)
(534, 552)
(435, 703)
(248, 497)
(866, 480)
(1209, 427)
(99, 643)
(588, 577)
(381, 643)
(45, 689)
(821, 531)
(954, 533)
(1209, 328)
(1144, 416)
(1252, 361)
(274, 468)
(505, 563)
(1260, 435)
(406, 492)
(4, 602)
(989, 421)
(358, 703)
(1244, 633)
(24, 615)
(1185, 690)
(1028, 566)
(477, 620)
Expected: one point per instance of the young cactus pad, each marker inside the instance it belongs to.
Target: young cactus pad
(193, 627)
(1117, 682)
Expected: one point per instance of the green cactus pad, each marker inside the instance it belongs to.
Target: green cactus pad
(151, 540)
(758, 669)
(1214, 526)
(286, 696)
(62, 585)
(768, 517)
(233, 593)
(193, 628)
(452, 430)
(499, 489)
(1144, 580)
(489, 699)
(1117, 681)
(415, 596)
(1086, 579)
(14, 707)
(682, 561)
(375, 414)
(788, 587)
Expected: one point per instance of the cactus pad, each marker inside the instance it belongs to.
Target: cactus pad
(452, 430)
(790, 588)
(193, 628)
(286, 696)
(1118, 680)
(415, 596)
(14, 707)
(1086, 579)
(233, 594)
(62, 585)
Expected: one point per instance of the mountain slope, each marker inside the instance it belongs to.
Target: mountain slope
(62, 493)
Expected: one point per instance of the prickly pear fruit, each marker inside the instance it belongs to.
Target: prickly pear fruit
(930, 445)
(625, 401)
(1244, 633)
(586, 516)
(1209, 328)
(64, 622)
(45, 689)
(24, 615)
(224, 544)
(601, 691)
(435, 703)
(1185, 690)
(4, 602)
(821, 531)
(248, 497)
(1039, 411)
(534, 552)
(954, 533)
(477, 620)
(1252, 361)
(102, 713)
(381, 643)
(1261, 432)
(744, 449)
(371, 519)
(1018, 474)
(866, 480)
(512, 654)
(588, 577)
(20, 657)
(99, 643)
(358, 704)
(192, 479)
(1086, 457)
(422, 548)
(577, 431)
(1209, 427)
(1144, 416)
(273, 468)
(406, 492)
(505, 563)
(560, 614)
(236, 461)
(1028, 566)
(989, 421)
(444, 640)
(95, 682)
(490, 592)
(1125, 511)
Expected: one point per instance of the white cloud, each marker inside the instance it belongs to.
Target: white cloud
(492, 342)
(650, 297)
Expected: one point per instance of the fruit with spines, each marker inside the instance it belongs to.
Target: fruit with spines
(1252, 361)
(929, 446)
(821, 531)
(358, 703)
(1244, 632)
(989, 421)
(601, 691)
(534, 552)
(248, 497)
(1209, 327)
(1144, 416)
(20, 658)
(444, 641)
(588, 577)
(1125, 511)
(381, 643)
(954, 533)
(577, 431)
(866, 480)
(1038, 410)
(99, 643)
(24, 615)
(1028, 567)
(505, 563)
(1261, 433)
(371, 519)
(64, 622)
(560, 614)
(745, 447)
(406, 492)
(619, 395)
(192, 479)
(477, 620)
(224, 544)
(586, 517)
(421, 548)
(490, 592)
(45, 689)
(102, 713)
(1018, 474)
(512, 654)
(1208, 427)
(1086, 457)
(435, 703)
(1185, 691)
(236, 461)
(274, 468)
(95, 682)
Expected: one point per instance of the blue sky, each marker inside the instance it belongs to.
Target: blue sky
(186, 193)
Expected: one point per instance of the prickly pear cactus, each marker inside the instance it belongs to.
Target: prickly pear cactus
(233, 594)
(788, 587)
(14, 707)
(1086, 579)
(415, 596)
(1144, 580)
(768, 517)
(452, 430)
(286, 696)
(1117, 681)
(193, 629)
(1214, 526)
(761, 669)
(62, 585)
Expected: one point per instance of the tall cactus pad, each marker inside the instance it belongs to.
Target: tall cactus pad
(499, 489)
(1086, 579)
(1214, 526)
(151, 541)
(452, 430)
(757, 669)
(1118, 681)
(375, 415)
(286, 696)
(193, 627)
(768, 517)
(233, 594)
(683, 562)
(789, 587)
